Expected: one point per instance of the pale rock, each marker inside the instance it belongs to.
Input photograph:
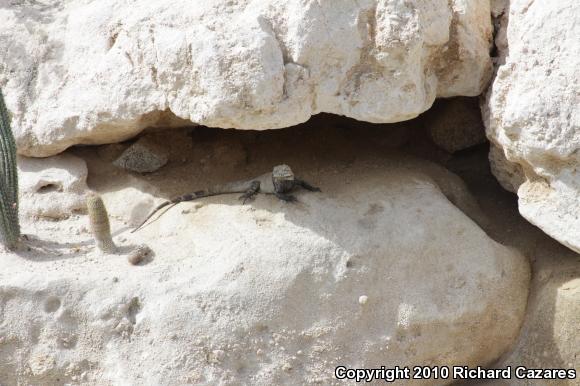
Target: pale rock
(130, 204)
(550, 336)
(100, 71)
(267, 293)
(455, 190)
(510, 175)
(52, 187)
(532, 113)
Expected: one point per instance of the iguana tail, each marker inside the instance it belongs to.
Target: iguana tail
(175, 201)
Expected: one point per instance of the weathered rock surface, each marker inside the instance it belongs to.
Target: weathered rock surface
(510, 175)
(52, 187)
(532, 113)
(268, 293)
(100, 71)
(144, 156)
(550, 336)
(455, 124)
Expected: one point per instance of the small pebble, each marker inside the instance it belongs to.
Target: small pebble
(363, 299)
(139, 254)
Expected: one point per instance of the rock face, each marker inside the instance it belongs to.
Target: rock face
(550, 337)
(532, 115)
(100, 71)
(510, 175)
(381, 272)
(52, 187)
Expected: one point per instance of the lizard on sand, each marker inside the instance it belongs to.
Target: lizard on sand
(280, 181)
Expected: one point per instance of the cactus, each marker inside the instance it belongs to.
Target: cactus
(100, 223)
(9, 223)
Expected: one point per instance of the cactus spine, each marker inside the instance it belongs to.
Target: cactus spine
(100, 223)
(9, 223)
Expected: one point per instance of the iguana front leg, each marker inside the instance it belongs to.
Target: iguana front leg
(285, 197)
(306, 186)
(251, 192)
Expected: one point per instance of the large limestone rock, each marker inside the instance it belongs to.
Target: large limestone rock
(550, 336)
(52, 187)
(532, 113)
(384, 271)
(100, 71)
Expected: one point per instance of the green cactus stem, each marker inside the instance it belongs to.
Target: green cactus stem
(9, 222)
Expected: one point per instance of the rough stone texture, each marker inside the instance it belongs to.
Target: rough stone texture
(144, 156)
(550, 336)
(510, 175)
(455, 124)
(267, 293)
(52, 187)
(532, 113)
(100, 71)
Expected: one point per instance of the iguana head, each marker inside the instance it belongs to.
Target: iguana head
(282, 173)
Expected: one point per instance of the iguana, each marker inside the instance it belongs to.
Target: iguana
(280, 181)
